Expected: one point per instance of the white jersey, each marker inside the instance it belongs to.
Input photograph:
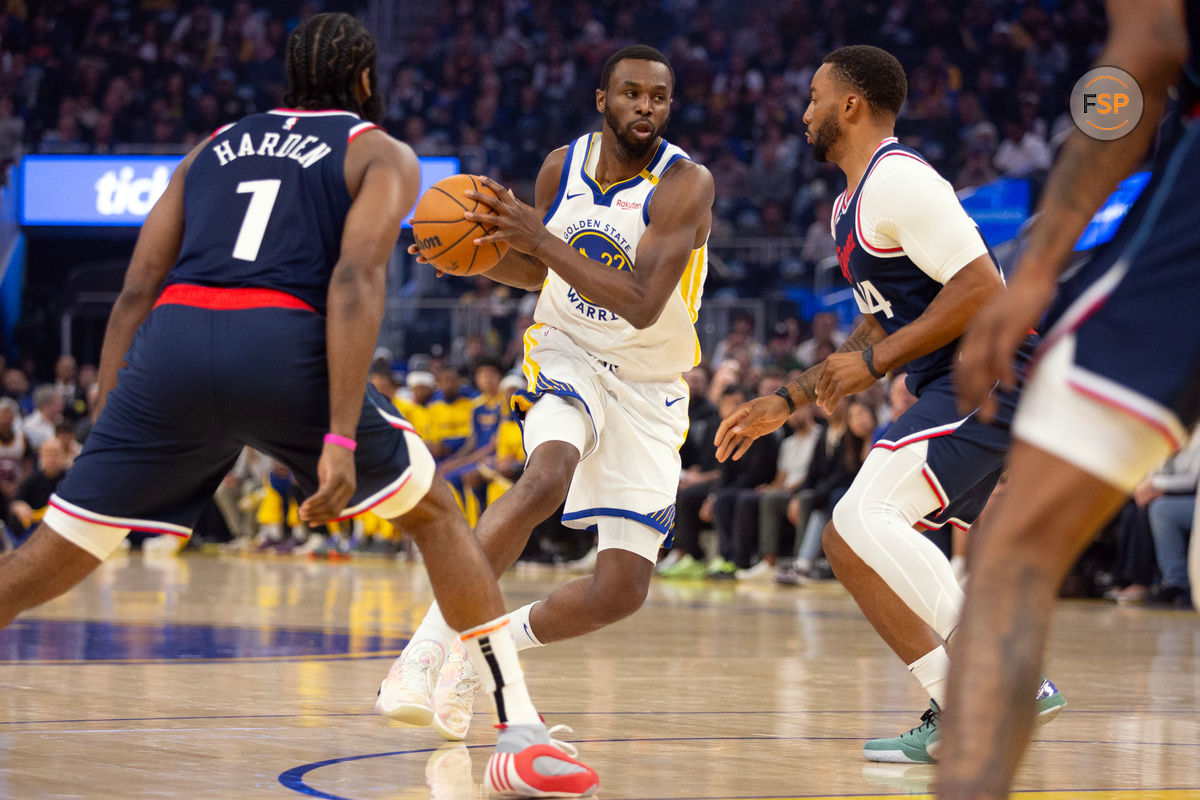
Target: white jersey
(606, 226)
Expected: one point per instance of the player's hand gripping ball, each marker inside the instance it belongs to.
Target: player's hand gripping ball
(444, 238)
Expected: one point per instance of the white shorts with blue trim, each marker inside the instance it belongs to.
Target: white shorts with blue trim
(630, 465)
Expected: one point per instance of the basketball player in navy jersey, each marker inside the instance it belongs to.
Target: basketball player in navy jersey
(920, 270)
(248, 316)
(1115, 387)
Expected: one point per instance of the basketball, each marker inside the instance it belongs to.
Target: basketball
(447, 240)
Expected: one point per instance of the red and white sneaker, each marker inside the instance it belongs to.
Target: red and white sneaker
(406, 694)
(454, 698)
(528, 762)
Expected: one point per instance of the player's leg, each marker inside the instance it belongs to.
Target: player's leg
(526, 760)
(1074, 461)
(41, 569)
(616, 589)
(1048, 514)
(556, 433)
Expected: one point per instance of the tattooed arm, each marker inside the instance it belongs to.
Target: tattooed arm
(1149, 40)
(804, 389)
(764, 414)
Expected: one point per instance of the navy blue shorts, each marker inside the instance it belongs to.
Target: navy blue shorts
(1134, 307)
(199, 385)
(965, 456)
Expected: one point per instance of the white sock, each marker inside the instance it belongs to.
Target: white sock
(492, 651)
(434, 627)
(522, 631)
(932, 670)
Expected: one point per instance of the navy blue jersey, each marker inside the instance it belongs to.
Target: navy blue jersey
(265, 202)
(887, 283)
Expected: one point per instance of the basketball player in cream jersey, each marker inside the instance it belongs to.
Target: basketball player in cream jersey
(617, 246)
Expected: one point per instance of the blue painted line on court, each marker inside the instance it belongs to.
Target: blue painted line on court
(47, 641)
(295, 778)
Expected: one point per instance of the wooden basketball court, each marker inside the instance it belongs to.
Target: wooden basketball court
(242, 677)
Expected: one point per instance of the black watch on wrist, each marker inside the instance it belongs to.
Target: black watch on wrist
(786, 395)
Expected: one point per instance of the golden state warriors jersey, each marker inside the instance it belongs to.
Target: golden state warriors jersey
(606, 226)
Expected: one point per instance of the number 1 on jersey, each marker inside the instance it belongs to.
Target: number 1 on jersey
(254, 224)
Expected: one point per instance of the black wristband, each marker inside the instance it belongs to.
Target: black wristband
(786, 395)
(868, 357)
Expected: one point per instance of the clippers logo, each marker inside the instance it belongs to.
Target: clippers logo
(1106, 103)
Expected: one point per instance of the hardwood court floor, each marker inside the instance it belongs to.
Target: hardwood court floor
(237, 677)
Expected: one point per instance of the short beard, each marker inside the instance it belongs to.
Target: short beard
(633, 148)
(826, 136)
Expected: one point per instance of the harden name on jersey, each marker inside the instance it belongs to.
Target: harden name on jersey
(307, 150)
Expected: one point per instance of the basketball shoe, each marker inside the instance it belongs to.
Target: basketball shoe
(454, 697)
(406, 694)
(529, 762)
(919, 745)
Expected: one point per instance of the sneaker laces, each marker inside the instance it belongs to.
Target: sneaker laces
(566, 747)
(928, 720)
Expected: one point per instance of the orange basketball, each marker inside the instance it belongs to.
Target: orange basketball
(447, 240)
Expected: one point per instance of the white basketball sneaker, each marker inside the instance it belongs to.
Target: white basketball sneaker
(406, 694)
(454, 697)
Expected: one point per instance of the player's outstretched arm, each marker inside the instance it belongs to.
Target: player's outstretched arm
(383, 177)
(764, 414)
(1147, 39)
(154, 254)
(680, 216)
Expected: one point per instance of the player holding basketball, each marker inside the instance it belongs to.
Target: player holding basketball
(262, 336)
(617, 245)
(1113, 392)
(920, 269)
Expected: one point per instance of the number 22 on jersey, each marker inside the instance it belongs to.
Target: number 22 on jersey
(870, 300)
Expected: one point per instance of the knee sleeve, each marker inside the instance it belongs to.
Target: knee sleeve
(875, 519)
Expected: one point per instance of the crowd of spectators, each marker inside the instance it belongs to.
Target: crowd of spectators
(500, 84)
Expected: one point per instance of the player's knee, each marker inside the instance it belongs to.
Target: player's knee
(619, 585)
(435, 511)
(549, 471)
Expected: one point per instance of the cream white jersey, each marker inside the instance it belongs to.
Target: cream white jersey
(606, 226)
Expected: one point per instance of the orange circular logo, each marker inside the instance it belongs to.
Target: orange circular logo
(1106, 103)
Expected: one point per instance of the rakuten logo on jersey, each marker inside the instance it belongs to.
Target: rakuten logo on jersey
(627, 206)
(119, 192)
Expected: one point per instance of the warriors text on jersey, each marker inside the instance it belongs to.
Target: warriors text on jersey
(606, 226)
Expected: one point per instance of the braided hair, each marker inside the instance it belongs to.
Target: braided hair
(325, 56)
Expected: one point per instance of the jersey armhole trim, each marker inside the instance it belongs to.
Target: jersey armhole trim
(670, 163)
(562, 183)
(360, 128)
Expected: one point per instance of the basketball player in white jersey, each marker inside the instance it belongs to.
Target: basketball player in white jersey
(617, 245)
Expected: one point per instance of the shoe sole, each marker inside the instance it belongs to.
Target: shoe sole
(409, 713)
(446, 732)
(891, 757)
(1049, 714)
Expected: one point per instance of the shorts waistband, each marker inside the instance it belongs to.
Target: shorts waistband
(627, 374)
(224, 298)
